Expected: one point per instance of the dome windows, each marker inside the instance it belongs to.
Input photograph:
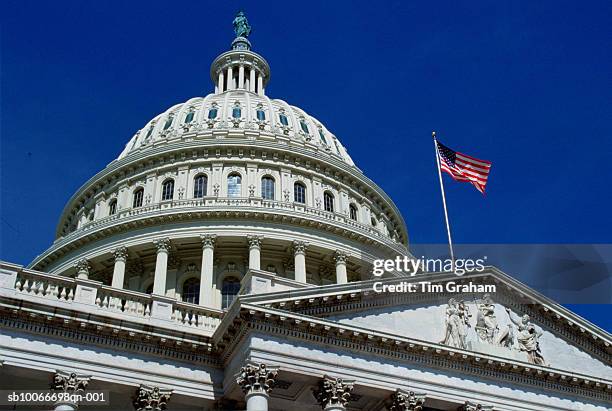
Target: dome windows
(304, 126)
(261, 115)
(283, 119)
(212, 113)
(112, 207)
(191, 291)
(328, 201)
(168, 190)
(137, 198)
(236, 111)
(168, 123)
(322, 136)
(189, 117)
(199, 186)
(299, 193)
(267, 188)
(353, 212)
(234, 185)
(150, 132)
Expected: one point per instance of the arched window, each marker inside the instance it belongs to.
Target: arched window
(191, 291)
(299, 193)
(234, 184)
(199, 186)
(261, 115)
(229, 291)
(353, 212)
(168, 190)
(328, 201)
(267, 188)
(137, 200)
(283, 119)
(212, 113)
(112, 207)
(236, 112)
(189, 117)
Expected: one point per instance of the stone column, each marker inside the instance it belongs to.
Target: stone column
(161, 266)
(241, 77)
(230, 78)
(206, 274)
(82, 267)
(473, 406)
(299, 252)
(151, 398)
(120, 254)
(333, 394)
(252, 79)
(256, 381)
(68, 383)
(340, 259)
(260, 84)
(220, 82)
(406, 401)
(254, 251)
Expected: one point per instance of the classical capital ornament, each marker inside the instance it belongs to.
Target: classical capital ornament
(406, 401)
(254, 241)
(163, 244)
(120, 253)
(208, 240)
(151, 398)
(472, 406)
(256, 378)
(299, 247)
(82, 266)
(69, 381)
(340, 257)
(333, 392)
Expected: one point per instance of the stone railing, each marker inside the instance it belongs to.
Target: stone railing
(92, 297)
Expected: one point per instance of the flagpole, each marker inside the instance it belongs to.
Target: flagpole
(450, 241)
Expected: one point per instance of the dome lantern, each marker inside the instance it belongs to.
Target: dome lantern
(240, 68)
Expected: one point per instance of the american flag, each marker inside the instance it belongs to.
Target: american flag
(463, 167)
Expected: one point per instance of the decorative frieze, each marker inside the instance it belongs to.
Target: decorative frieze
(333, 393)
(151, 398)
(256, 378)
(406, 401)
(70, 382)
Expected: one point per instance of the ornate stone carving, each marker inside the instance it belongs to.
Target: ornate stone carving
(151, 398)
(472, 406)
(340, 257)
(333, 392)
(82, 267)
(163, 244)
(254, 241)
(256, 378)
(216, 188)
(406, 401)
(208, 240)
(299, 247)
(457, 321)
(70, 382)
(487, 327)
(527, 337)
(120, 253)
(251, 190)
(286, 195)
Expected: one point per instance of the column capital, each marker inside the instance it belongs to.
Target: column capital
(299, 247)
(256, 378)
(208, 240)
(473, 406)
(69, 381)
(406, 401)
(163, 245)
(254, 241)
(340, 257)
(83, 267)
(120, 253)
(151, 398)
(333, 392)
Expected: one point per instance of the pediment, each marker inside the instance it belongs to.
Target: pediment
(550, 336)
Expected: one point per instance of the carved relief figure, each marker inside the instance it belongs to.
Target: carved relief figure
(457, 321)
(487, 327)
(527, 337)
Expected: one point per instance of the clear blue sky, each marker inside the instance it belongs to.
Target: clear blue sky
(524, 84)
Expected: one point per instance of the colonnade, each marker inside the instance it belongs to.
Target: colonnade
(227, 79)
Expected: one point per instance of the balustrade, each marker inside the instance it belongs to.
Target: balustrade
(44, 285)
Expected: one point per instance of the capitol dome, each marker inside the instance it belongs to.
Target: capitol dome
(219, 185)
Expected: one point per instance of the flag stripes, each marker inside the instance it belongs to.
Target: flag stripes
(462, 167)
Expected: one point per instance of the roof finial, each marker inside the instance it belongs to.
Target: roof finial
(242, 28)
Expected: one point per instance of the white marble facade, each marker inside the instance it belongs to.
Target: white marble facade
(223, 262)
